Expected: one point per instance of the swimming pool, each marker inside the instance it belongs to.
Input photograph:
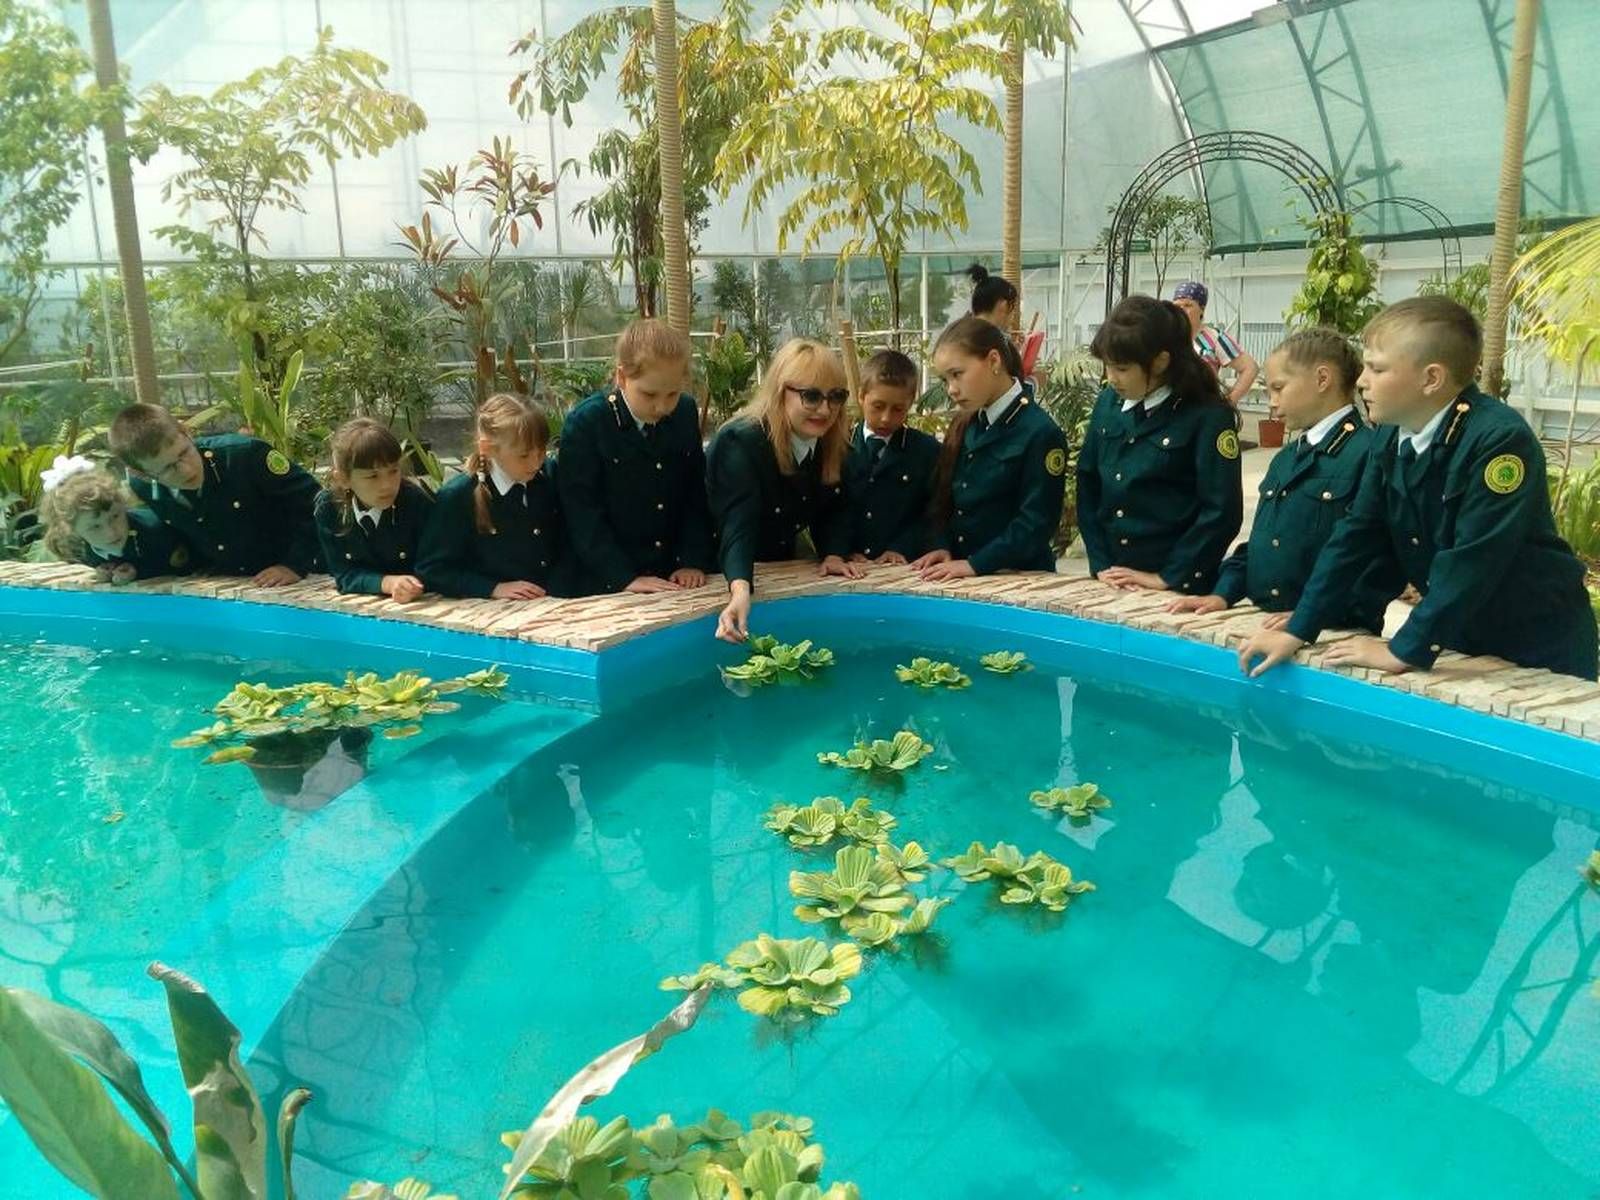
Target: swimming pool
(1322, 947)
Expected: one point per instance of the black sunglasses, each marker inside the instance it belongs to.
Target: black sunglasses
(813, 398)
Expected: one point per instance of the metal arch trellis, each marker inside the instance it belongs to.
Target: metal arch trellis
(1320, 191)
(1449, 241)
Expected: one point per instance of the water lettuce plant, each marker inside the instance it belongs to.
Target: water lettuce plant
(254, 712)
(826, 818)
(899, 753)
(1034, 879)
(1591, 869)
(1004, 662)
(866, 893)
(926, 673)
(1078, 802)
(786, 979)
(909, 861)
(771, 660)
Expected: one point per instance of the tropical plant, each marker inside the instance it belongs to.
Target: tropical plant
(270, 415)
(252, 143)
(1591, 869)
(1575, 499)
(730, 369)
(21, 469)
(773, 660)
(869, 146)
(910, 861)
(787, 980)
(252, 712)
(1167, 226)
(1036, 879)
(899, 753)
(926, 673)
(1556, 285)
(1078, 802)
(1005, 662)
(866, 894)
(826, 817)
(48, 111)
(499, 190)
(1340, 290)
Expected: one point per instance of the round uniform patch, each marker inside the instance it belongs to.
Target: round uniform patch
(1504, 474)
(1228, 444)
(1056, 461)
(277, 463)
(179, 557)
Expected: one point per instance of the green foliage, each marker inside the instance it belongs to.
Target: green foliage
(254, 711)
(1575, 500)
(869, 148)
(773, 660)
(866, 894)
(925, 673)
(1591, 870)
(1078, 802)
(21, 466)
(1340, 290)
(1171, 225)
(826, 817)
(1005, 662)
(47, 112)
(787, 980)
(1036, 879)
(406, 1189)
(730, 369)
(1556, 288)
(900, 753)
(1470, 288)
(270, 415)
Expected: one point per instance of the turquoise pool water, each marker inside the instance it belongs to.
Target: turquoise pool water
(1312, 966)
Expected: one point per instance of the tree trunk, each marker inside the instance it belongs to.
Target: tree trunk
(1508, 209)
(124, 217)
(891, 275)
(669, 129)
(1011, 186)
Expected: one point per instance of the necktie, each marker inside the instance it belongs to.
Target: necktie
(1140, 412)
(983, 420)
(1408, 453)
(649, 432)
(517, 493)
(875, 447)
(1306, 446)
(369, 523)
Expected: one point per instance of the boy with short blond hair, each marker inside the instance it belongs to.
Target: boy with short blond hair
(1453, 499)
(244, 508)
(888, 473)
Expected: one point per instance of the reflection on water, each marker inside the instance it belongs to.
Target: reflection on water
(1305, 959)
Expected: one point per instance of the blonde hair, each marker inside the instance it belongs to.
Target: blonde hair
(506, 418)
(648, 342)
(93, 491)
(796, 359)
(1431, 329)
(140, 432)
(1323, 346)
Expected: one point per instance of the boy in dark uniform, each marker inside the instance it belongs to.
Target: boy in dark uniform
(888, 473)
(370, 519)
(1453, 499)
(243, 507)
(633, 471)
(1311, 379)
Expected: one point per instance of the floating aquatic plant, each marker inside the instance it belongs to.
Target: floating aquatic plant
(772, 660)
(826, 817)
(866, 893)
(899, 753)
(254, 711)
(786, 979)
(1591, 869)
(1034, 879)
(1077, 802)
(1004, 662)
(926, 673)
(909, 861)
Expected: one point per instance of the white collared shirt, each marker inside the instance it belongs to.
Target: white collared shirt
(1314, 435)
(801, 448)
(360, 512)
(998, 408)
(503, 483)
(1154, 400)
(1423, 438)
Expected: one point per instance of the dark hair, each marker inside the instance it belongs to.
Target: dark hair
(989, 290)
(978, 338)
(140, 432)
(1314, 347)
(1139, 329)
(887, 368)
(360, 444)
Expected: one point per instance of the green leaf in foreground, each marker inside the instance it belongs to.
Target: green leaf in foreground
(1004, 662)
(1035, 879)
(771, 660)
(785, 979)
(827, 818)
(925, 673)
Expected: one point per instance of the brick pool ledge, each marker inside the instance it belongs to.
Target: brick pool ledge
(1539, 698)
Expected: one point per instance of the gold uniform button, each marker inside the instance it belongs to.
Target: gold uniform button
(236, 504)
(869, 516)
(660, 506)
(1124, 541)
(1436, 649)
(1274, 591)
(1166, 441)
(1197, 575)
(1416, 541)
(905, 479)
(658, 465)
(535, 533)
(1119, 512)
(1274, 541)
(658, 545)
(220, 546)
(1119, 476)
(1268, 492)
(348, 556)
(1327, 495)
(402, 556)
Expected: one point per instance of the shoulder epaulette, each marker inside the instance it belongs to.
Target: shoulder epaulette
(1457, 419)
(616, 408)
(1347, 430)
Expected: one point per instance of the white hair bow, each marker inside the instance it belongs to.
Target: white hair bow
(63, 469)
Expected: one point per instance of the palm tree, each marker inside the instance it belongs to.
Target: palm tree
(669, 123)
(1508, 208)
(125, 218)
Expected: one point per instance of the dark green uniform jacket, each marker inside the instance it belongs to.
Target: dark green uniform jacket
(1007, 489)
(152, 548)
(759, 512)
(359, 558)
(1469, 523)
(1307, 489)
(1161, 494)
(254, 510)
(454, 559)
(634, 501)
(888, 486)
